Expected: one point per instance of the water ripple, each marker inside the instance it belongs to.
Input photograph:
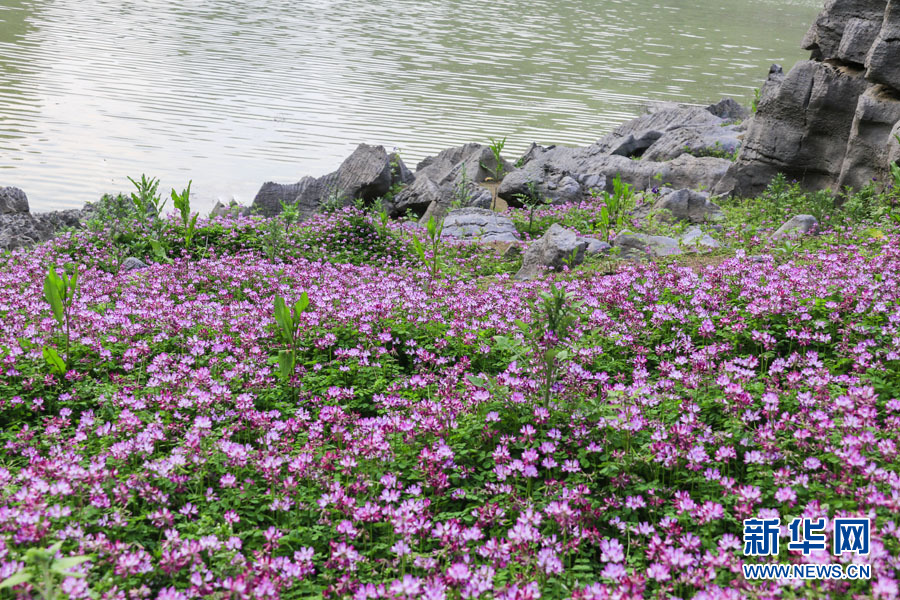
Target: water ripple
(234, 93)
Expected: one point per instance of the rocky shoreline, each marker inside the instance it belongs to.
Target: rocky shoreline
(832, 121)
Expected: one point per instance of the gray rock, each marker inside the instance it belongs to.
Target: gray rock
(858, 37)
(800, 130)
(635, 246)
(132, 264)
(868, 147)
(798, 225)
(695, 238)
(368, 174)
(24, 229)
(729, 110)
(438, 181)
(475, 196)
(691, 206)
(590, 168)
(721, 141)
(883, 60)
(893, 151)
(595, 246)
(828, 123)
(635, 137)
(479, 224)
(12, 201)
(220, 210)
(826, 36)
(557, 247)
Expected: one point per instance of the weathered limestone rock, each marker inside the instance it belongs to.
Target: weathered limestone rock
(12, 201)
(19, 228)
(591, 169)
(799, 225)
(671, 132)
(883, 61)
(636, 246)
(480, 225)
(438, 180)
(556, 248)
(132, 264)
(801, 129)
(368, 173)
(868, 148)
(691, 206)
(841, 19)
(829, 123)
(220, 210)
(695, 239)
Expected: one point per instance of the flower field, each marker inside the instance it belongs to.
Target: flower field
(595, 434)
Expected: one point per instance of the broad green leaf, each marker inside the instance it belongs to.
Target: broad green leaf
(16, 579)
(51, 294)
(476, 381)
(283, 317)
(286, 364)
(53, 359)
(303, 303)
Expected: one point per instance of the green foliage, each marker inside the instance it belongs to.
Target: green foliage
(289, 334)
(434, 229)
(461, 195)
(397, 185)
(546, 337)
(498, 172)
(532, 201)
(45, 572)
(59, 292)
(717, 151)
(332, 200)
(754, 105)
(615, 207)
(182, 204)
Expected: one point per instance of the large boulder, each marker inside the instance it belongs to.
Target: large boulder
(636, 246)
(558, 247)
(479, 225)
(590, 169)
(449, 177)
(696, 239)
(883, 60)
(829, 123)
(798, 225)
(13, 201)
(369, 173)
(24, 229)
(682, 146)
(801, 129)
(672, 131)
(867, 156)
(688, 205)
(843, 28)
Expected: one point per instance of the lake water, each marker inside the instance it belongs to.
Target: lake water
(232, 93)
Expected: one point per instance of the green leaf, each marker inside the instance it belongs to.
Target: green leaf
(63, 565)
(284, 320)
(52, 295)
(16, 579)
(53, 359)
(302, 304)
(73, 283)
(285, 364)
(476, 381)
